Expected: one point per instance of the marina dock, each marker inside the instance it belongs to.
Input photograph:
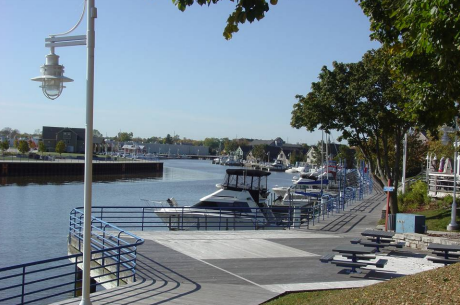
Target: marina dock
(247, 267)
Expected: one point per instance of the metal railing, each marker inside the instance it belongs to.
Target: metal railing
(442, 184)
(143, 218)
(113, 261)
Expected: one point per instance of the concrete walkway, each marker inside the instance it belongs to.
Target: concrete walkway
(251, 267)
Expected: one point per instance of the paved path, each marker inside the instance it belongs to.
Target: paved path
(250, 267)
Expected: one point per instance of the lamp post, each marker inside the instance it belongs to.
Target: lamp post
(453, 223)
(404, 164)
(52, 85)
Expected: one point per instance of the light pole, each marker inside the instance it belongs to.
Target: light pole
(52, 84)
(404, 164)
(453, 223)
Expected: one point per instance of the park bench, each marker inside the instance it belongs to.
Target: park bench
(355, 240)
(445, 261)
(326, 258)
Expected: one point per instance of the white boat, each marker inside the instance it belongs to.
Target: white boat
(238, 204)
(301, 186)
(292, 170)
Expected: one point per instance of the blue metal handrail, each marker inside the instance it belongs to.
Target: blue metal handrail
(185, 218)
(53, 278)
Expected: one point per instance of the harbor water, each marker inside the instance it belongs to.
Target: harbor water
(35, 210)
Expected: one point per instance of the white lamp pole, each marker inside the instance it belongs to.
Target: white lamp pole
(404, 164)
(52, 80)
(88, 179)
(453, 223)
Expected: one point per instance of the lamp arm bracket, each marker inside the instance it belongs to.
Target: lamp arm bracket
(76, 25)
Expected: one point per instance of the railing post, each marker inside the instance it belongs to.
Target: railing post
(142, 224)
(23, 284)
(118, 266)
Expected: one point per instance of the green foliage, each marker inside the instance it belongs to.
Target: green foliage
(423, 38)
(296, 156)
(125, 136)
(415, 198)
(438, 219)
(41, 147)
(213, 144)
(259, 151)
(346, 155)
(4, 145)
(168, 139)
(359, 100)
(230, 145)
(60, 147)
(244, 10)
(447, 201)
(23, 146)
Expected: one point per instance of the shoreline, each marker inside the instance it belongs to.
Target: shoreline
(63, 167)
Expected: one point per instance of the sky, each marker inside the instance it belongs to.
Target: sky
(161, 71)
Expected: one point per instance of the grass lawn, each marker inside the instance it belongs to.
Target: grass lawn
(438, 286)
(437, 220)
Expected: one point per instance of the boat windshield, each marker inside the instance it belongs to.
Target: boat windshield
(246, 179)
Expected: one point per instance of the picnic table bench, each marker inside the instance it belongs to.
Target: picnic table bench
(444, 254)
(378, 239)
(357, 257)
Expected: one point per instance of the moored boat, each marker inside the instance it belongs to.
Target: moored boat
(240, 203)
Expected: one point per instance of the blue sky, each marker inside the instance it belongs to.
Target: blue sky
(160, 71)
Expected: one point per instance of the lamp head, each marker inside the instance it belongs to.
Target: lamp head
(52, 77)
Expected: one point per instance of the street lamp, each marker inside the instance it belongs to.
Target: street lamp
(453, 223)
(52, 80)
(52, 77)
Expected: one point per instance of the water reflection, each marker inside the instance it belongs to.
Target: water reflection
(77, 179)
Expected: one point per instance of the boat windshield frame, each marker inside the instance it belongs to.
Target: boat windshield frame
(242, 179)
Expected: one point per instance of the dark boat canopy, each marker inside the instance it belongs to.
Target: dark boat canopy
(247, 172)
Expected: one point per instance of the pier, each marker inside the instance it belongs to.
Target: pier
(246, 267)
(76, 167)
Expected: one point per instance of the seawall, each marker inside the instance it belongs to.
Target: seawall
(65, 168)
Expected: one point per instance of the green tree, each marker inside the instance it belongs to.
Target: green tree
(259, 151)
(41, 147)
(296, 156)
(230, 145)
(60, 147)
(249, 10)
(423, 38)
(168, 139)
(361, 101)
(4, 145)
(212, 143)
(346, 154)
(125, 136)
(23, 146)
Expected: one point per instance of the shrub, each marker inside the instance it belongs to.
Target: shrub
(415, 198)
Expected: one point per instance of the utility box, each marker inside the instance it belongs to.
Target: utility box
(410, 223)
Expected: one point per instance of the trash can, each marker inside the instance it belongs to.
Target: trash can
(391, 225)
